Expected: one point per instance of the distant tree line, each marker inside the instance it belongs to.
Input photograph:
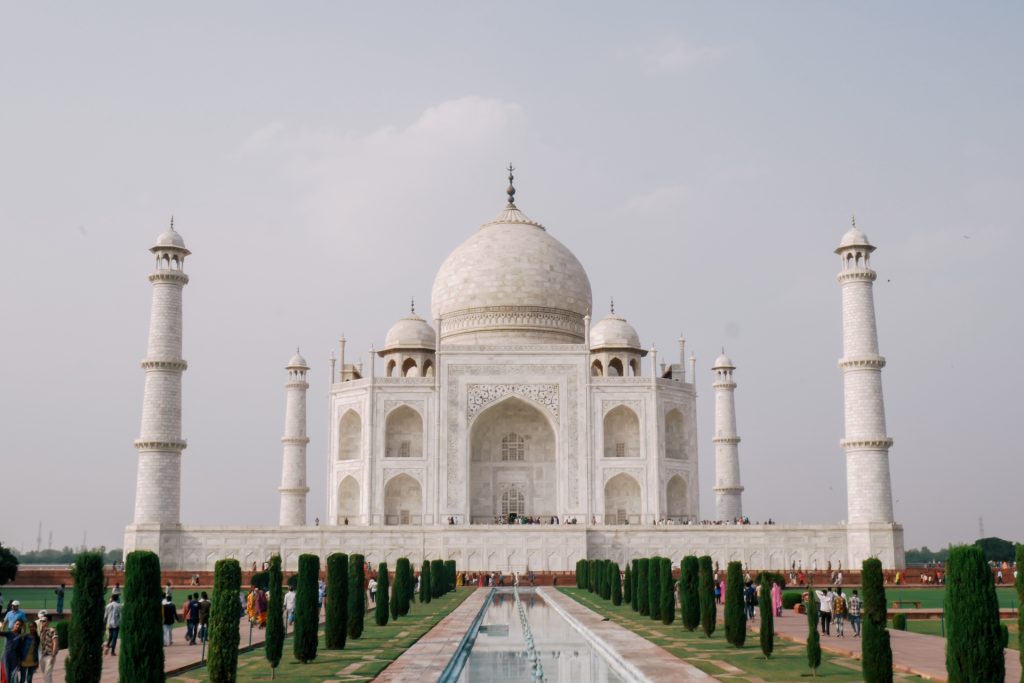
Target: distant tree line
(995, 549)
(66, 555)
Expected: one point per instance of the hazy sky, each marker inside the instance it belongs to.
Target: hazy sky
(321, 159)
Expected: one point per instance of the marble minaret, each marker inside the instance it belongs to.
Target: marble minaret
(158, 486)
(728, 491)
(293, 467)
(868, 486)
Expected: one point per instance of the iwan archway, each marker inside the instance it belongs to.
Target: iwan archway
(512, 463)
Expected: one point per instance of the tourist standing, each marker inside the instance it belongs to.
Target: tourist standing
(825, 610)
(60, 600)
(112, 620)
(204, 616)
(853, 608)
(12, 652)
(48, 648)
(170, 616)
(193, 618)
(777, 598)
(30, 654)
(289, 606)
(185, 617)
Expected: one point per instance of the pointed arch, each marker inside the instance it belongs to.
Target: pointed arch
(634, 368)
(390, 368)
(428, 368)
(622, 500)
(675, 435)
(349, 494)
(403, 433)
(350, 436)
(615, 368)
(403, 501)
(409, 368)
(676, 501)
(596, 369)
(621, 433)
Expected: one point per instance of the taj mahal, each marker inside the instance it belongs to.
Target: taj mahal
(512, 404)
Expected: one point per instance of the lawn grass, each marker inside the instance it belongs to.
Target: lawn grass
(361, 660)
(933, 627)
(717, 657)
(43, 598)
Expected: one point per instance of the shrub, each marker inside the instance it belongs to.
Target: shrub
(642, 584)
(452, 575)
(142, 647)
(581, 573)
(773, 577)
(380, 612)
(425, 583)
(1004, 635)
(260, 579)
(606, 579)
(876, 652)
(627, 586)
(767, 630)
(654, 587)
(84, 663)
(735, 615)
(307, 609)
(813, 644)
(293, 581)
(706, 589)
(274, 644)
(973, 650)
(616, 585)
(336, 617)
(668, 594)
(356, 595)
(791, 599)
(62, 634)
(222, 662)
(437, 578)
(404, 585)
(899, 622)
(689, 594)
(591, 575)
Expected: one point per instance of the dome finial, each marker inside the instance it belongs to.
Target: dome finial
(853, 220)
(511, 191)
(172, 222)
(612, 306)
(412, 305)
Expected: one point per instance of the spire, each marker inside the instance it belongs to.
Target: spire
(172, 222)
(412, 305)
(511, 190)
(612, 306)
(853, 220)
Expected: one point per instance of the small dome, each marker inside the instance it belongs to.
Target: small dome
(411, 332)
(613, 331)
(170, 238)
(297, 361)
(854, 238)
(723, 361)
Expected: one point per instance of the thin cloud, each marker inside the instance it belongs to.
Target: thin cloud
(674, 56)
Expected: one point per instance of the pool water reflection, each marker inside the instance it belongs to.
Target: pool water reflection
(500, 654)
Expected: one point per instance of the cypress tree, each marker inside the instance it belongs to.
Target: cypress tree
(689, 595)
(222, 661)
(142, 647)
(356, 595)
(1020, 606)
(403, 578)
(627, 587)
(616, 585)
(654, 587)
(380, 613)
(642, 602)
(876, 653)
(396, 590)
(813, 644)
(706, 597)
(581, 573)
(764, 604)
(336, 617)
(425, 584)
(437, 578)
(274, 644)
(735, 615)
(606, 579)
(84, 663)
(307, 609)
(452, 574)
(668, 594)
(974, 649)
(634, 591)
(591, 575)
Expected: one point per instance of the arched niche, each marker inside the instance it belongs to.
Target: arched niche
(512, 444)
(676, 503)
(675, 435)
(409, 368)
(350, 436)
(403, 501)
(622, 500)
(403, 434)
(621, 433)
(596, 369)
(348, 501)
(615, 368)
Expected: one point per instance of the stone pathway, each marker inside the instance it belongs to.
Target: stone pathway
(913, 653)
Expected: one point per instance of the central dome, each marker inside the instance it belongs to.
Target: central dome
(511, 283)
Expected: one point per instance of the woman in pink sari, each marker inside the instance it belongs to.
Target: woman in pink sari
(777, 598)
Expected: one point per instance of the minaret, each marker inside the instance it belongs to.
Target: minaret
(158, 486)
(868, 487)
(293, 466)
(728, 492)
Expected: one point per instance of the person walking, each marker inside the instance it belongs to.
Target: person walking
(204, 616)
(193, 618)
(112, 620)
(48, 648)
(60, 600)
(839, 612)
(29, 654)
(185, 617)
(170, 616)
(853, 609)
(825, 610)
(289, 606)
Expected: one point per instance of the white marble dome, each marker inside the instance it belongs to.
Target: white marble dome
(170, 238)
(613, 332)
(854, 238)
(723, 361)
(411, 332)
(511, 282)
(297, 361)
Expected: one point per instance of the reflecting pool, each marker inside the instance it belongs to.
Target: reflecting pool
(501, 653)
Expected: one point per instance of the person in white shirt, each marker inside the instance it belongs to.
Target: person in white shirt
(825, 610)
(372, 587)
(289, 606)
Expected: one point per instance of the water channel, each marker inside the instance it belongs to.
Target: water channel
(527, 641)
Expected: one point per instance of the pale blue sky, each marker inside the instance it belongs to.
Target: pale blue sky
(701, 159)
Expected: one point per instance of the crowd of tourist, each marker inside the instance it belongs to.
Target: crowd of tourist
(28, 646)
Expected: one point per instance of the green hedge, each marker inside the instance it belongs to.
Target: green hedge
(689, 592)
(735, 615)
(84, 663)
(634, 590)
(876, 651)
(307, 609)
(813, 639)
(616, 584)
(142, 647)
(643, 587)
(222, 662)
(767, 627)
(404, 585)
(426, 585)
(437, 578)
(973, 642)
(627, 585)
(336, 617)
(62, 633)
(260, 579)
(274, 643)
(380, 611)
(706, 588)
(356, 595)
(791, 599)
(654, 588)
(667, 590)
(899, 622)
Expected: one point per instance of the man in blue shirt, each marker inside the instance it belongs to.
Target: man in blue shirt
(14, 615)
